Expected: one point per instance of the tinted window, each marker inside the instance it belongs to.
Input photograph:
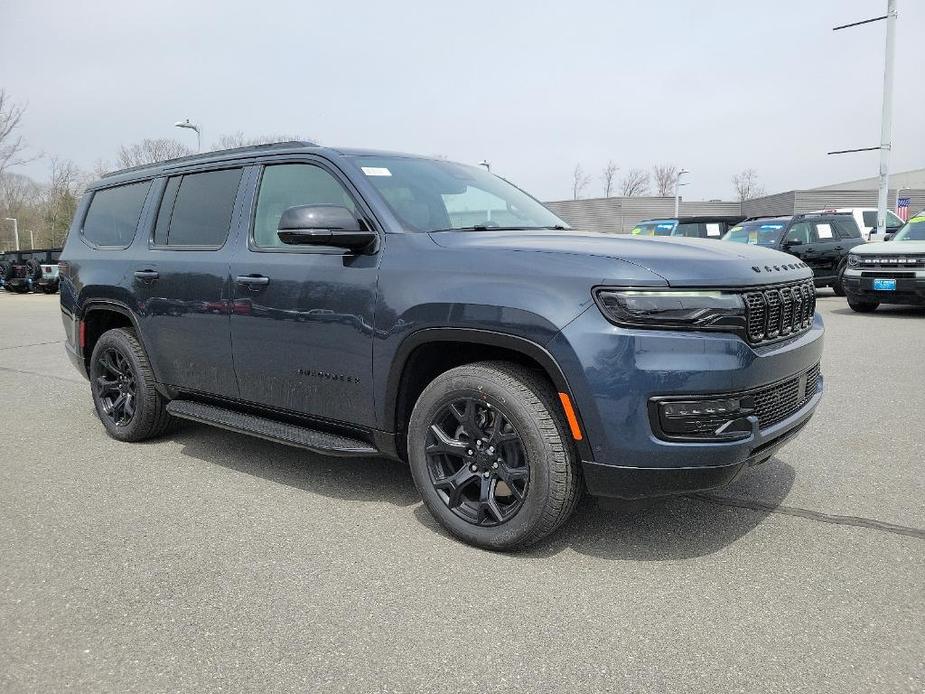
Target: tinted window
(690, 229)
(113, 215)
(870, 218)
(847, 229)
(802, 232)
(290, 185)
(200, 212)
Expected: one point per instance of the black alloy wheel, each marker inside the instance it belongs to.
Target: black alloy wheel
(116, 387)
(477, 463)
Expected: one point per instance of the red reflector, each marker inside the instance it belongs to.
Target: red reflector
(82, 333)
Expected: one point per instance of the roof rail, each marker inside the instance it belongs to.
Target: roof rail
(804, 215)
(215, 154)
(765, 216)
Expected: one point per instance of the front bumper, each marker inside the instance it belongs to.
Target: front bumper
(614, 372)
(910, 289)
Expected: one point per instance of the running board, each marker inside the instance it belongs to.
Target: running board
(280, 432)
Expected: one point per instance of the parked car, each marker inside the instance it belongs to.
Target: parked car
(21, 276)
(866, 219)
(702, 227)
(358, 303)
(49, 279)
(820, 240)
(888, 273)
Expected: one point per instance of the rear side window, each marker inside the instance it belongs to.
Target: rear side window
(113, 215)
(847, 229)
(196, 209)
(690, 229)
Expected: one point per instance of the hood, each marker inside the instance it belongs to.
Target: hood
(890, 248)
(681, 262)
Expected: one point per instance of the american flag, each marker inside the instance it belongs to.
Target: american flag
(902, 209)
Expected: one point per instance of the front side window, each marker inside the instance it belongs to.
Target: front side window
(802, 232)
(436, 195)
(291, 185)
(113, 215)
(196, 209)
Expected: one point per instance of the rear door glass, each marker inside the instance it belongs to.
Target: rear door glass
(196, 209)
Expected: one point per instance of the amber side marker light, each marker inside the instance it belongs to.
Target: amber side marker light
(570, 416)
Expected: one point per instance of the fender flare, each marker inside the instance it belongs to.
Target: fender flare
(522, 345)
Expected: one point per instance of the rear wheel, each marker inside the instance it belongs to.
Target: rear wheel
(863, 306)
(122, 384)
(491, 456)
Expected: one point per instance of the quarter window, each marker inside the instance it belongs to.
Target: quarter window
(196, 209)
(291, 185)
(113, 215)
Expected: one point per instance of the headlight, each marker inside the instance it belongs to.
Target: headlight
(699, 310)
(853, 260)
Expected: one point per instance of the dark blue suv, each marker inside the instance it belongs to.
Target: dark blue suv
(361, 303)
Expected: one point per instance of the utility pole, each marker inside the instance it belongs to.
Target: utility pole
(31, 241)
(886, 114)
(677, 184)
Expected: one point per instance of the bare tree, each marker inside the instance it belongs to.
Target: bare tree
(607, 176)
(150, 151)
(580, 181)
(665, 177)
(746, 185)
(12, 146)
(60, 200)
(636, 182)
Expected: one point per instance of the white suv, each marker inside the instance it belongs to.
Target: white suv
(888, 273)
(866, 219)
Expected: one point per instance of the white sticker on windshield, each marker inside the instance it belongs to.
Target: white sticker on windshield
(713, 229)
(376, 171)
(824, 231)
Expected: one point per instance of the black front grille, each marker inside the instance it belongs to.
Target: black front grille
(779, 311)
(775, 403)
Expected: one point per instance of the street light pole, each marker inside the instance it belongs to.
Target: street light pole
(31, 241)
(886, 114)
(192, 126)
(15, 230)
(677, 183)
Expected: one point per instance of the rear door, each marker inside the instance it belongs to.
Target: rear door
(302, 320)
(182, 284)
(829, 247)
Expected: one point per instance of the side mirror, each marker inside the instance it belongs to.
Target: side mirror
(790, 243)
(323, 225)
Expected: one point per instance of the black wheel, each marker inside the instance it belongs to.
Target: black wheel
(123, 389)
(838, 286)
(863, 306)
(491, 456)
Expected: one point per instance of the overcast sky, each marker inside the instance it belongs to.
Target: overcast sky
(535, 87)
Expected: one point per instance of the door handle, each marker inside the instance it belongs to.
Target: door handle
(147, 275)
(839, 248)
(252, 281)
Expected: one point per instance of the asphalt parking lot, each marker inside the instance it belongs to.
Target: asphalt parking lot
(208, 560)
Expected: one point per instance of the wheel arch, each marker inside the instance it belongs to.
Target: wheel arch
(425, 354)
(100, 315)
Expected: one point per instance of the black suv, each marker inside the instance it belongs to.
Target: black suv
(821, 240)
(359, 303)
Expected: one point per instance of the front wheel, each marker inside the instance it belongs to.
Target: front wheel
(863, 306)
(491, 456)
(838, 285)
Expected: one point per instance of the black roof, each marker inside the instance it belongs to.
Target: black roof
(695, 219)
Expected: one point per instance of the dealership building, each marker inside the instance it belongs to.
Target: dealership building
(618, 215)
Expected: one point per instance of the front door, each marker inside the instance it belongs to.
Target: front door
(181, 282)
(801, 241)
(302, 317)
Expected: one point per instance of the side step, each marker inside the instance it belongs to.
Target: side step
(280, 432)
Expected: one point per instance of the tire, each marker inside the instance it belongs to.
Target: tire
(49, 288)
(863, 306)
(533, 478)
(837, 286)
(120, 348)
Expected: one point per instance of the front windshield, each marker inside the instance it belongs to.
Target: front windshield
(654, 228)
(436, 195)
(757, 233)
(914, 230)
